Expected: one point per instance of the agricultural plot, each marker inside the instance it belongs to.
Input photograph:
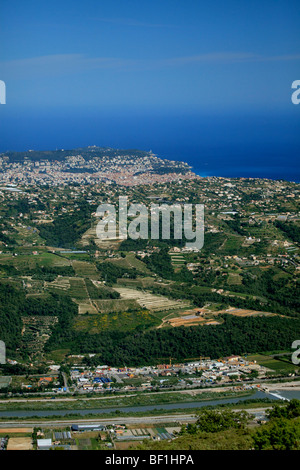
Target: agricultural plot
(88, 295)
(78, 288)
(19, 262)
(276, 364)
(85, 269)
(75, 287)
(164, 433)
(90, 235)
(27, 260)
(240, 312)
(177, 260)
(191, 317)
(83, 443)
(150, 301)
(4, 381)
(130, 262)
(234, 279)
(27, 235)
(51, 259)
(232, 245)
(19, 443)
(61, 283)
(4, 431)
(208, 317)
(86, 307)
(115, 305)
(143, 282)
(123, 321)
(187, 321)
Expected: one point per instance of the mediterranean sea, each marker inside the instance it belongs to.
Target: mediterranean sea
(240, 144)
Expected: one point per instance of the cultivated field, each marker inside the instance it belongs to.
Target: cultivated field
(16, 430)
(19, 443)
(206, 316)
(150, 301)
(122, 321)
(115, 305)
(130, 262)
(85, 269)
(240, 312)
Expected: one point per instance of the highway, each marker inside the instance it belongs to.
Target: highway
(179, 419)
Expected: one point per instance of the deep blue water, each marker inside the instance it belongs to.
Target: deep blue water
(236, 145)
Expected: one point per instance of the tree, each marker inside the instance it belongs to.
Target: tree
(290, 410)
(215, 421)
(253, 374)
(279, 434)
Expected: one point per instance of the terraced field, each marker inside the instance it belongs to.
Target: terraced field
(150, 301)
(115, 305)
(60, 283)
(86, 306)
(85, 269)
(131, 262)
(36, 331)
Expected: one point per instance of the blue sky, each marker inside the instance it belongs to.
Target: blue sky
(184, 54)
(122, 58)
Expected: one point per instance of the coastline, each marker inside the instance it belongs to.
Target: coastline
(245, 173)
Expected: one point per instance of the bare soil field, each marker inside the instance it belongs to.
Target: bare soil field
(125, 445)
(181, 321)
(19, 443)
(16, 430)
(239, 312)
